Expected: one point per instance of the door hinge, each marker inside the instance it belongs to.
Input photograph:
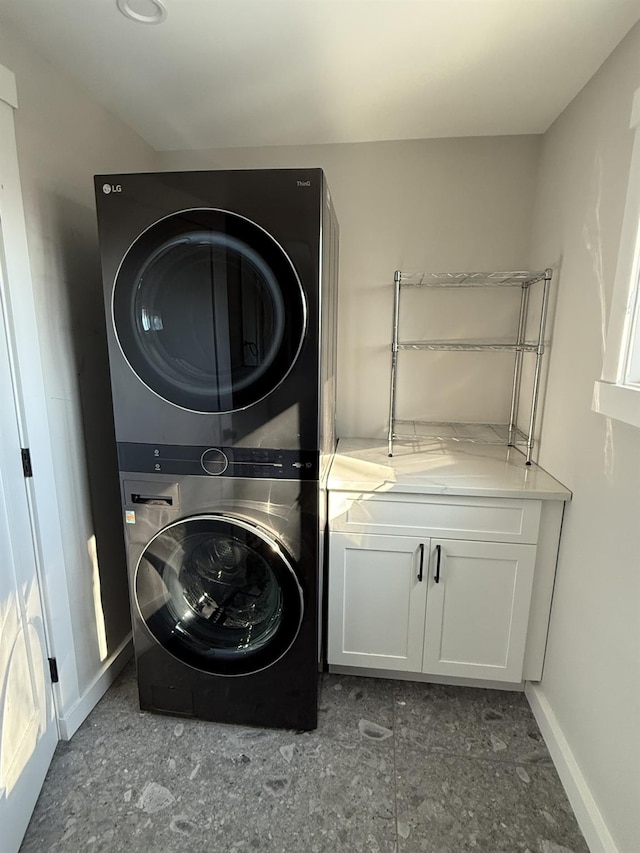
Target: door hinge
(53, 669)
(26, 462)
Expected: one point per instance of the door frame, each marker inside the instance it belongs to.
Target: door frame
(31, 406)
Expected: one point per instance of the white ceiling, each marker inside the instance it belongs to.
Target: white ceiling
(233, 73)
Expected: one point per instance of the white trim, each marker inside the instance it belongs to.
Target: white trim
(582, 801)
(617, 401)
(623, 299)
(75, 716)
(34, 420)
(8, 89)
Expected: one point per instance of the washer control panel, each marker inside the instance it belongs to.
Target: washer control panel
(248, 462)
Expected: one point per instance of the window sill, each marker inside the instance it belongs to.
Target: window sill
(621, 402)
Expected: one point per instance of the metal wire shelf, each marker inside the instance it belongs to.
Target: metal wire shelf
(473, 346)
(514, 278)
(480, 433)
(473, 433)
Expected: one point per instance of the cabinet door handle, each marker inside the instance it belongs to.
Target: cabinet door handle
(436, 577)
(421, 567)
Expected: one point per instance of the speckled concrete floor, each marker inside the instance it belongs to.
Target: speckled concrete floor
(394, 767)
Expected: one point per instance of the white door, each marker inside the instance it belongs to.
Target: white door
(377, 597)
(28, 731)
(478, 609)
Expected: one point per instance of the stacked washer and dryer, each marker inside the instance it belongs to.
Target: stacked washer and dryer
(220, 292)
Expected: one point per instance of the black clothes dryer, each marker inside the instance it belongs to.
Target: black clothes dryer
(219, 299)
(220, 295)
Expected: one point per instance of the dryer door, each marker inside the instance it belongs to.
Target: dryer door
(208, 310)
(219, 594)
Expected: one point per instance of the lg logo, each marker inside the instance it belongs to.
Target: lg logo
(111, 188)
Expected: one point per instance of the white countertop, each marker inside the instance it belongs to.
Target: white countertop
(448, 468)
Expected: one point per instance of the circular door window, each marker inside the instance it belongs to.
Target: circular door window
(208, 310)
(219, 594)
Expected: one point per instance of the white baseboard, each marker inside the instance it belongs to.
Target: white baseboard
(73, 719)
(582, 802)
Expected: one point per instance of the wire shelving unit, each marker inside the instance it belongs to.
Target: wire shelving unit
(482, 433)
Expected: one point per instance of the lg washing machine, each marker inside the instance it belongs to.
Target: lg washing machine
(220, 294)
(224, 585)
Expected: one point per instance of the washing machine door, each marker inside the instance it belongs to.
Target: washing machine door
(219, 594)
(208, 310)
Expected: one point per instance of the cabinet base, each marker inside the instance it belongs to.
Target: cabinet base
(427, 679)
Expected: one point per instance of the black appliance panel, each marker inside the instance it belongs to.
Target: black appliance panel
(203, 461)
(287, 207)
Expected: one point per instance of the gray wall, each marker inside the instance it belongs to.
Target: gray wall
(63, 138)
(427, 205)
(592, 671)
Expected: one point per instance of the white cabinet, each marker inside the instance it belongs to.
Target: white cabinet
(404, 598)
(477, 613)
(493, 521)
(376, 601)
(436, 606)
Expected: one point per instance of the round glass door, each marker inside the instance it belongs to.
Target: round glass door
(219, 594)
(208, 310)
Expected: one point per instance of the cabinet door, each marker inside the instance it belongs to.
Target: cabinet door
(376, 601)
(478, 610)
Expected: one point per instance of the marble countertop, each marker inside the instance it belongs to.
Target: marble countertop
(449, 468)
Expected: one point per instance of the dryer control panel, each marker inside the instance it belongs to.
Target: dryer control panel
(250, 462)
